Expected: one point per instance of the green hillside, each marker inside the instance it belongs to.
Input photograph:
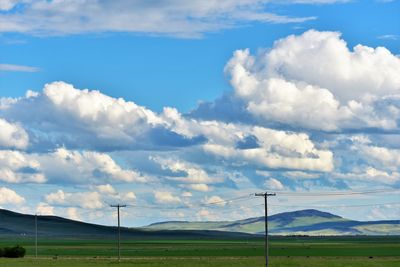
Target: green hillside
(304, 222)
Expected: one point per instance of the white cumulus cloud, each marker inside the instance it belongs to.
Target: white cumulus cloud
(253, 144)
(86, 200)
(190, 173)
(370, 175)
(198, 187)
(316, 71)
(44, 209)
(89, 119)
(8, 196)
(83, 167)
(13, 135)
(165, 197)
(19, 167)
(274, 184)
(277, 149)
(73, 214)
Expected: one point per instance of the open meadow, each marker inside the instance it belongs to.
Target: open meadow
(206, 262)
(293, 251)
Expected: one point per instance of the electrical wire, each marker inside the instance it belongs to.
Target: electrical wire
(201, 205)
(336, 206)
(335, 193)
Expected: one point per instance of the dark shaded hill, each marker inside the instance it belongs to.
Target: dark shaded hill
(12, 224)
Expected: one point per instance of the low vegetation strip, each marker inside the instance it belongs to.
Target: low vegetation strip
(207, 262)
(288, 246)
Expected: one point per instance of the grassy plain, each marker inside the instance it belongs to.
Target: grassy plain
(294, 251)
(205, 262)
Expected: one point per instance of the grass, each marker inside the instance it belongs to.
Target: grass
(330, 247)
(206, 261)
(289, 251)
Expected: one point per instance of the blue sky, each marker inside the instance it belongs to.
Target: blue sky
(189, 104)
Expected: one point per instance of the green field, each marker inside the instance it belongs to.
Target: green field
(206, 262)
(335, 251)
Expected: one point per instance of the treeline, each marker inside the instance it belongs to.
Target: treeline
(12, 252)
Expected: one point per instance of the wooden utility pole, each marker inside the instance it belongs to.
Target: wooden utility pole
(118, 206)
(266, 195)
(36, 235)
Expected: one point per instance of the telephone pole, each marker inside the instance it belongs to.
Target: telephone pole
(266, 195)
(118, 206)
(36, 234)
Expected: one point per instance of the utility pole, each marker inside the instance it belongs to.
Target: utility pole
(118, 206)
(266, 195)
(36, 234)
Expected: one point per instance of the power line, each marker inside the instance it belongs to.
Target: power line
(337, 206)
(209, 204)
(245, 198)
(337, 193)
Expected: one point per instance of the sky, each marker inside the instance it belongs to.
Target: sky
(184, 109)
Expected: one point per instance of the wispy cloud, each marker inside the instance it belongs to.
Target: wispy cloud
(385, 1)
(392, 37)
(18, 68)
(176, 18)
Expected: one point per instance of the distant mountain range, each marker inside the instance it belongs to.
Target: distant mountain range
(304, 222)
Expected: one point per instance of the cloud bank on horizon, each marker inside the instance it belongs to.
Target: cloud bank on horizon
(308, 113)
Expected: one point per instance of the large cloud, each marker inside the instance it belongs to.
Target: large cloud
(257, 145)
(64, 167)
(89, 119)
(323, 59)
(83, 119)
(315, 81)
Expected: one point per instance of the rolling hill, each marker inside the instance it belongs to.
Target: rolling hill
(17, 224)
(303, 222)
